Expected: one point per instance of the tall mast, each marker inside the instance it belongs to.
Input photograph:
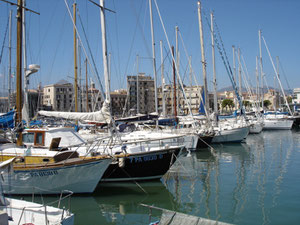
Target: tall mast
(177, 65)
(234, 72)
(261, 70)
(162, 80)
(19, 70)
(240, 73)
(104, 51)
(234, 64)
(191, 81)
(153, 55)
(137, 86)
(9, 61)
(75, 59)
(80, 78)
(174, 85)
(277, 63)
(203, 56)
(257, 80)
(213, 62)
(25, 113)
(86, 87)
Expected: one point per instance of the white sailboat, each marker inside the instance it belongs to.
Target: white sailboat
(14, 211)
(227, 131)
(273, 120)
(74, 174)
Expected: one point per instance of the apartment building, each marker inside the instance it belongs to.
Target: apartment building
(141, 96)
(296, 96)
(192, 94)
(59, 96)
(118, 101)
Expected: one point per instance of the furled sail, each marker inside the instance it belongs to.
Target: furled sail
(102, 116)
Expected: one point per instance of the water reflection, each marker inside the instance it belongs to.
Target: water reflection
(235, 181)
(121, 201)
(250, 183)
(204, 193)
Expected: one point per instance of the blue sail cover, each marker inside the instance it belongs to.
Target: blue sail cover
(202, 104)
(7, 120)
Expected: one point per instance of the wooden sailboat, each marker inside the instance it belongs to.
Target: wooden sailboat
(51, 174)
(14, 211)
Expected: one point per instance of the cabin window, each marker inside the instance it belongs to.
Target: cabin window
(28, 138)
(39, 139)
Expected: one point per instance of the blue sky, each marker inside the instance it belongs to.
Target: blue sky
(50, 37)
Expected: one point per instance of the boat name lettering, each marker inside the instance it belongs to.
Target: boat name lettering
(44, 173)
(146, 158)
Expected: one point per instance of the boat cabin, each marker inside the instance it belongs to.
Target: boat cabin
(51, 138)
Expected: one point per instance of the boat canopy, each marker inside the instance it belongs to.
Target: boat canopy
(7, 120)
(43, 137)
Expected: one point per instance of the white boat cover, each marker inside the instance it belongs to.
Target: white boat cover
(102, 116)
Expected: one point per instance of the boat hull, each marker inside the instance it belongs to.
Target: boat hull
(256, 128)
(204, 141)
(278, 124)
(231, 135)
(75, 177)
(141, 166)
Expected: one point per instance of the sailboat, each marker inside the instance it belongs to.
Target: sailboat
(228, 131)
(278, 121)
(14, 211)
(49, 174)
(134, 158)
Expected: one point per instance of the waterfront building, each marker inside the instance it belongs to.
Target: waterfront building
(141, 96)
(274, 97)
(118, 101)
(193, 94)
(59, 96)
(296, 96)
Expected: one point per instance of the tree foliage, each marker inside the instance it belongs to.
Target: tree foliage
(227, 103)
(267, 103)
(247, 103)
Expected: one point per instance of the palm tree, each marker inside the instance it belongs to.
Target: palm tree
(227, 103)
(267, 103)
(247, 104)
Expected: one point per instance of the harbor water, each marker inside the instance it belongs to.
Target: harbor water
(256, 182)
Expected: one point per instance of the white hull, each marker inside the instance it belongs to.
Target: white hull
(256, 128)
(278, 124)
(164, 139)
(78, 178)
(231, 135)
(23, 212)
